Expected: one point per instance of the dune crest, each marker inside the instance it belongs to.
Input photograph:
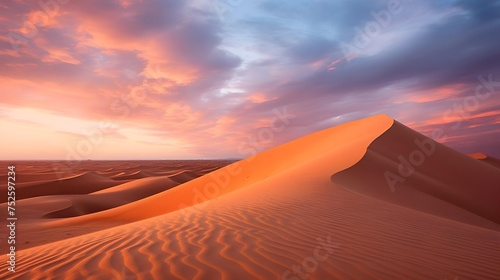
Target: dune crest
(134, 175)
(183, 176)
(83, 183)
(278, 215)
(341, 146)
(495, 162)
(478, 156)
(405, 167)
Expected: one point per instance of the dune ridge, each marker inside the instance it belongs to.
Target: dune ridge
(35, 211)
(412, 172)
(83, 183)
(487, 159)
(270, 216)
(134, 175)
(354, 138)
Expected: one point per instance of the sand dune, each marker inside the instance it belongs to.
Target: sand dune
(36, 210)
(419, 173)
(337, 142)
(31, 177)
(79, 184)
(487, 159)
(134, 175)
(183, 176)
(278, 215)
(63, 206)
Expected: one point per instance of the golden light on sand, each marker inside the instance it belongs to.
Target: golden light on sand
(329, 211)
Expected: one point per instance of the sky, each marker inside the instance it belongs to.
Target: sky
(202, 79)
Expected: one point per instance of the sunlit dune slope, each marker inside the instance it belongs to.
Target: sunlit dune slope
(340, 147)
(278, 216)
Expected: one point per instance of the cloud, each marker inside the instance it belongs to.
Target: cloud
(181, 76)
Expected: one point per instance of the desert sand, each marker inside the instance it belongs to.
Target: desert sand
(487, 159)
(319, 207)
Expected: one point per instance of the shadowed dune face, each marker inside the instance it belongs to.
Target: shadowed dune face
(277, 215)
(487, 159)
(407, 168)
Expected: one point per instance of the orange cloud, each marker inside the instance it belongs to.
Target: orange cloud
(447, 92)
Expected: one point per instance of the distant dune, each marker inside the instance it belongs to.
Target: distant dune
(78, 184)
(134, 175)
(340, 203)
(487, 159)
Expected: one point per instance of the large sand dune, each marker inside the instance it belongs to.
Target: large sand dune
(419, 173)
(318, 207)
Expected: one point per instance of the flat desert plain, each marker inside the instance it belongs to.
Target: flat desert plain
(369, 199)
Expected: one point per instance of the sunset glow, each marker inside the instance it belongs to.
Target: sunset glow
(194, 79)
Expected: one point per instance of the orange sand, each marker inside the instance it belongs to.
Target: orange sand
(265, 217)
